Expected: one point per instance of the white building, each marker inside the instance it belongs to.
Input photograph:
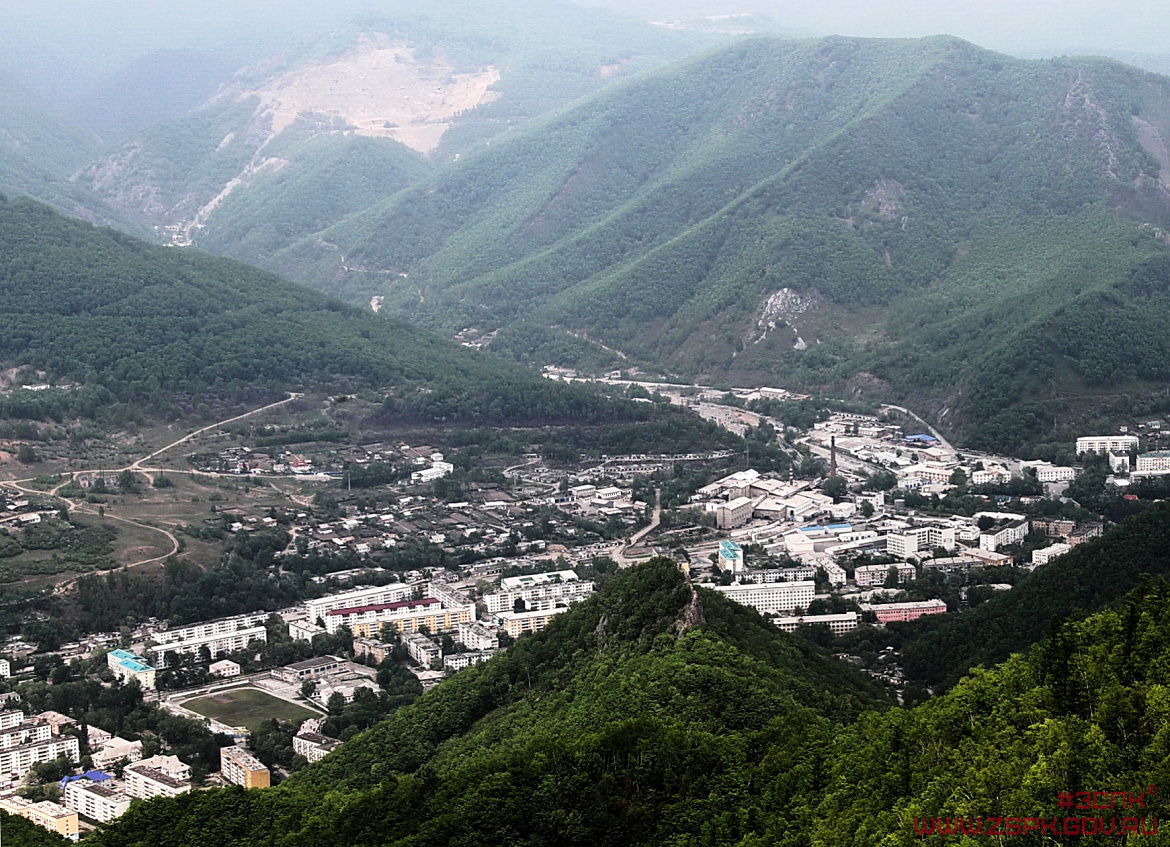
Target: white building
(405, 615)
(144, 781)
(1154, 463)
(539, 592)
(224, 668)
(1048, 472)
(314, 746)
(219, 626)
(731, 557)
(428, 475)
(837, 624)
(919, 539)
(128, 666)
(771, 597)
(519, 623)
(874, 576)
(1043, 557)
(5, 668)
(1107, 444)
(476, 636)
(459, 661)
(734, 513)
(116, 750)
(216, 644)
(421, 649)
(1013, 532)
(95, 801)
(372, 596)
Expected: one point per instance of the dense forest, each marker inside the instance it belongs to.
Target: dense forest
(126, 324)
(1091, 576)
(651, 715)
(903, 218)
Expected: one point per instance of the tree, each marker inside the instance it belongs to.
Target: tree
(958, 477)
(308, 689)
(519, 605)
(985, 523)
(835, 487)
(867, 508)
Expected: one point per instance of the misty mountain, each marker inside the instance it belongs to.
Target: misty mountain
(905, 219)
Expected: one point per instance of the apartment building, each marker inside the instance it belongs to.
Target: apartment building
(919, 539)
(373, 596)
(519, 623)
(406, 615)
(1154, 463)
(314, 746)
(216, 643)
(31, 743)
(95, 801)
(1012, 532)
(476, 636)
(771, 597)
(1107, 444)
(239, 767)
(837, 624)
(143, 782)
(46, 814)
(1043, 557)
(874, 576)
(459, 661)
(731, 557)
(421, 649)
(538, 591)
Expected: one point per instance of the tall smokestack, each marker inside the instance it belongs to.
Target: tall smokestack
(833, 456)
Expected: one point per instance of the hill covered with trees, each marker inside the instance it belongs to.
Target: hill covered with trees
(904, 219)
(649, 715)
(149, 328)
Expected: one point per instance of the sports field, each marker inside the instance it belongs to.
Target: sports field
(246, 707)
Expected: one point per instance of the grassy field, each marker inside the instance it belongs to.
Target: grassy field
(247, 707)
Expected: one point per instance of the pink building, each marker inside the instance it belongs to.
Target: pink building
(907, 611)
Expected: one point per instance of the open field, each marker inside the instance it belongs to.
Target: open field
(247, 707)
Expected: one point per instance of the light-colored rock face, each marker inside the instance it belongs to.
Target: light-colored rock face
(380, 89)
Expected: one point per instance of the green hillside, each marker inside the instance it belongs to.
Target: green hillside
(618, 726)
(904, 218)
(166, 330)
(1090, 577)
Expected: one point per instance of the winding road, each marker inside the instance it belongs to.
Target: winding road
(136, 467)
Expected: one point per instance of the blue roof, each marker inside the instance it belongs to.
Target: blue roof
(841, 526)
(926, 438)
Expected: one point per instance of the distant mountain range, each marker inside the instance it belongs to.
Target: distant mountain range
(983, 237)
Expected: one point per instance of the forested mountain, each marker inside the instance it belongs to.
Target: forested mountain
(39, 151)
(1090, 577)
(900, 218)
(648, 716)
(164, 330)
(291, 144)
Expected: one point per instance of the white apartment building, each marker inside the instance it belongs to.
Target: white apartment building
(990, 476)
(1154, 463)
(5, 668)
(771, 597)
(217, 644)
(734, 513)
(539, 592)
(220, 626)
(459, 661)
(95, 801)
(1043, 557)
(372, 596)
(919, 539)
(406, 615)
(1013, 532)
(144, 782)
(519, 623)
(874, 576)
(1107, 444)
(476, 636)
(421, 649)
(1047, 472)
(115, 750)
(314, 746)
(837, 624)
(45, 814)
(835, 573)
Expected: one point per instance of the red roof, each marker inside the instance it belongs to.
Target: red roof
(377, 607)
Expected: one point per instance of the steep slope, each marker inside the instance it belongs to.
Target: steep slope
(426, 80)
(168, 330)
(587, 734)
(920, 213)
(1091, 577)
